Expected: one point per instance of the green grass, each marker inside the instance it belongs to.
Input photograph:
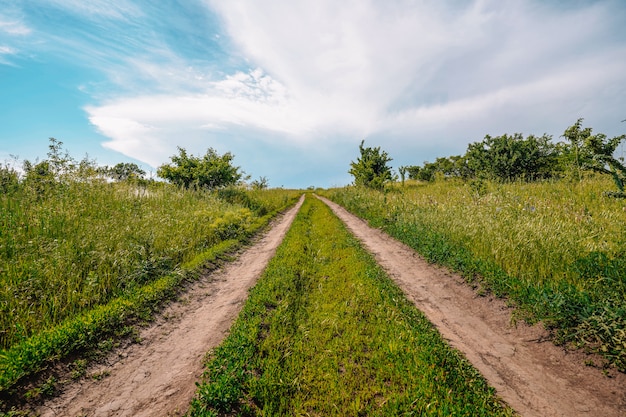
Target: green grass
(79, 259)
(326, 333)
(555, 249)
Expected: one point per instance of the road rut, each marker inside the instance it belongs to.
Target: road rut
(157, 377)
(531, 374)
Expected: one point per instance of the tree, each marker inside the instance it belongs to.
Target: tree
(261, 184)
(371, 169)
(209, 171)
(596, 153)
(9, 179)
(427, 172)
(574, 155)
(413, 171)
(125, 171)
(511, 158)
(403, 170)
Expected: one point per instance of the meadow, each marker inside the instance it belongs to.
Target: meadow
(79, 258)
(555, 250)
(326, 332)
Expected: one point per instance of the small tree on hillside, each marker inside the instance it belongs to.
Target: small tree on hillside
(126, 171)
(403, 170)
(596, 153)
(261, 184)
(371, 169)
(210, 171)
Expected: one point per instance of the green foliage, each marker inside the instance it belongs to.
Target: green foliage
(57, 171)
(575, 156)
(593, 152)
(371, 169)
(9, 179)
(511, 158)
(39, 177)
(209, 171)
(261, 184)
(454, 166)
(125, 171)
(556, 250)
(403, 171)
(326, 332)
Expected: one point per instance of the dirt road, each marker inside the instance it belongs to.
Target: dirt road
(157, 377)
(532, 375)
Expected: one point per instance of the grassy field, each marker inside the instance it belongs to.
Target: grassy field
(78, 258)
(555, 249)
(326, 333)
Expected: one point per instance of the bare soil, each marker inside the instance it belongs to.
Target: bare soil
(158, 376)
(532, 375)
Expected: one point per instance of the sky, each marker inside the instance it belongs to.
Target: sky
(292, 87)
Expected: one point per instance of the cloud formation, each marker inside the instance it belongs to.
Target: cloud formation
(282, 80)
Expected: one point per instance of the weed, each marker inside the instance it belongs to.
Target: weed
(78, 368)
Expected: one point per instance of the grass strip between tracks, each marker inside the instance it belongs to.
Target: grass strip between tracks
(326, 332)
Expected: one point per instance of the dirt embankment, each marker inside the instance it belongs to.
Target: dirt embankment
(157, 377)
(531, 374)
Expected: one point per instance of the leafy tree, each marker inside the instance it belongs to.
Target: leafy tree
(584, 151)
(425, 173)
(39, 177)
(510, 158)
(594, 152)
(9, 179)
(261, 184)
(125, 171)
(413, 171)
(573, 154)
(209, 171)
(403, 170)
(59, 160)
(371, 169)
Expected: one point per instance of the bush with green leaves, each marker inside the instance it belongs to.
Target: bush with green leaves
(584, 151)
(371, 169)
(209, 171)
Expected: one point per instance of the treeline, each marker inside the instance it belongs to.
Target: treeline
(210, 171)
(61, 168)
(509, 158)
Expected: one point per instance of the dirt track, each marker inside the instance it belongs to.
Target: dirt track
(157, 377)
(532, 375)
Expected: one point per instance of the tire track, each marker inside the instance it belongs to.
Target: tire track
(531, 374)
(157, 377)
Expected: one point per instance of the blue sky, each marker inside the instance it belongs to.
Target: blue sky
(291, 87)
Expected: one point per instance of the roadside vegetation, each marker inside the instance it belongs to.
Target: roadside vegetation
(527, 219)
(326, 332)
(84, 249)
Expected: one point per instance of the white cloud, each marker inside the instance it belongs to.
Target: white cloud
(14, 27)
(324, 71)
(6, 50)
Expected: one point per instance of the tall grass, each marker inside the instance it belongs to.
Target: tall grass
(325, 332)
(556, 249)
(73, 246)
